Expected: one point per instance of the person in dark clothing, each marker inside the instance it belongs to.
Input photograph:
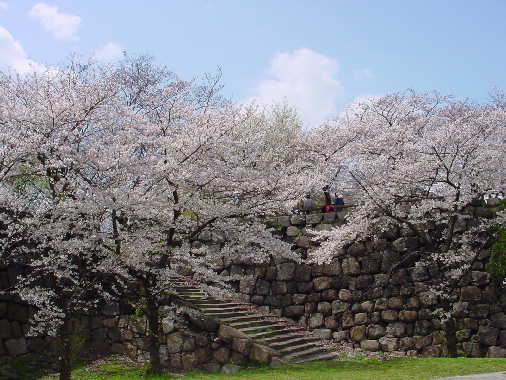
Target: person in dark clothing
(339, 201)
(326, 192)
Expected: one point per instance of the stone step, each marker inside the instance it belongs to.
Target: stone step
(282, 337)
(246, 324)
(270, 327)
(297, 347)
(308, 351)
(206, 303)
(229, 314)
(189, 291)
(289, 342)
(223, 310)
(315, 357)
(249, 317)
(268, 334)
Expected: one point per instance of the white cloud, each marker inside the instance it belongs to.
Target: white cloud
(362, 74)
(108, 52)
(304, 79)
(63, 26)
(4, 6)
(13, 56)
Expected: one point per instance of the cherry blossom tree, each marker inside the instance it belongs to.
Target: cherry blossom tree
(48, 124)
(205, 167)
(120, 170)
(417, 162)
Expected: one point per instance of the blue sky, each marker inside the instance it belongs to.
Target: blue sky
(318, 55)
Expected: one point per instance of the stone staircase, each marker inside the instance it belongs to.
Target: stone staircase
(289, 342)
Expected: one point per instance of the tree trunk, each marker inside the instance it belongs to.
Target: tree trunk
(152, 315)
(451, 337)
(66, 349)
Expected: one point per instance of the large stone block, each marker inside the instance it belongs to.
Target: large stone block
(395, 303)
(389, 344)
(340, 336)
(298, 220)
(498, 320)
(370, 264)
(339, 307)
(361, 319)
(364, 282)
(407, 343)
(331, 323)
(423, 327)
(375, 331)
(294, 311)
(389, 315)
(283, 221)
(329, 217)
(396, 329)
(242, 346)
(357, 249)
(302, 273)
(345, 295)
(432, 351)
(427, 298)
(369, 345)
(261, 354)
(292, 231)
(279, 287)
(404, 244)
(331, 269)
(263, 287)
(408, 315)
(315, 321)
(175, 342)
(422, 341)
(299, 299)
(470, 293)
(247, 285)
(324, 307)
(323, 333)
(302, 242)
(329, 295)
(479, 311)
(367, 306)
(472, 349)
(496, 352)
(488, 335)
(358, 333)
(314, 218)
(222, 355)
(350, 266)
(286, 271)
(230, 369)
(322, 283)
(16, 347)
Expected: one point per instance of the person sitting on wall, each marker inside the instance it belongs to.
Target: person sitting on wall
(327, 208)
(326, 193)
(339, 201)
(308, 205)
(328, 199)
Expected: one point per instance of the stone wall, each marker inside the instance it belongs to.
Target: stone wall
(351, 300)
(188, 342)
(14, 317)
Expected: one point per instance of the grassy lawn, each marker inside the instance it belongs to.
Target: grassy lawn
(374, 369)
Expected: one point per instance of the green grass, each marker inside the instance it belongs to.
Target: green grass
(373, 369)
